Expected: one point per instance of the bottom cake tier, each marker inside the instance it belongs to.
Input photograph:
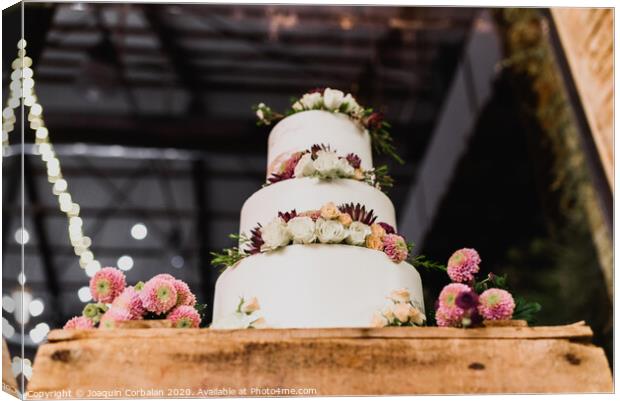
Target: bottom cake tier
(304, 286)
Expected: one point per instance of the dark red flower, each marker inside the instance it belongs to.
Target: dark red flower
(287, 215)
(374, 120)
(354, 160)
(388, 228)
(467, 300)
(316, 147)
(256, 241)
(316, 90)
(358, 213)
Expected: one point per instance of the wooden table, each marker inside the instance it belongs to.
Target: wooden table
(203, 362)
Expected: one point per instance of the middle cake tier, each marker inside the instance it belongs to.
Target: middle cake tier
(304, 194)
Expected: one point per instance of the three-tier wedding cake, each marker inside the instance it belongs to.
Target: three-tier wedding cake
(318, 243)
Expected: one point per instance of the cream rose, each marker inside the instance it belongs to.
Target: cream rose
(302, 229)
(298, 106)
(388, 312)
(345, 219)
(358, 232)
(259, 323)
(330, 231)
(305, 166)
(326, 163)
(378, 320)
(352, 106)
(332, 98)
(275, 234)
(401, 295)
(311, 100)
(416, 316)
(345, 169)
(402, 312)
(250, 305)
(329, 211)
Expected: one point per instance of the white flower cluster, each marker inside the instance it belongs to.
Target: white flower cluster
(332, 100)
(329, 227)
(400, 312)
(247, 316)
(326, 165)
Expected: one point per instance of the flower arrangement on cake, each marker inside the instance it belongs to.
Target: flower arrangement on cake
(246, 316)
(335, 101)
(349, 224)
(161, 297)
(321, 162)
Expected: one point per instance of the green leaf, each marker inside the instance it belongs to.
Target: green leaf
(526, 310)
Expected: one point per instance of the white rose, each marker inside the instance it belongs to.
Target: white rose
(298, 106)
(332, 98)
(231, 322)
(326, 163)
(345, 169)
(311, 100)
(260, 114)
(275, 235)
(250, 306)
(351, 103)
(402, 312)
(305, 166)
(330, 231)
(357, 234)
(302, 229)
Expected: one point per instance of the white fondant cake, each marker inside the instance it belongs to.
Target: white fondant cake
(316, 285)
(311, 193)
(302, 130)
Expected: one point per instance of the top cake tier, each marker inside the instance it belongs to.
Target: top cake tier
(301, 130)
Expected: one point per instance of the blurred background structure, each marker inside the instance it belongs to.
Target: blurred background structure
(149, 107)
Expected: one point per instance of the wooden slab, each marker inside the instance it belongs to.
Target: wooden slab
(202, 362)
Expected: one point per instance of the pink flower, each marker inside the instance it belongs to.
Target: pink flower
(112, 316)
(448, 317)
(184, 317)
(130, 301)
(159, 295)
(447, 296)
(463, 265)
(395, 247)
(496, 304)
(107, 284)
(165, 276)
(184, 294)
(79, 323)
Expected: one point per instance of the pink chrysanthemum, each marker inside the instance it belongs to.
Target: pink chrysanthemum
(107, 284)
(130, 301)
(112, 316)
(158, 295)
(79, 323)
(496, 304)
(463, 265)
(164, 276)
(447, 296)
(448, 317)
(184, 294)
(184, 317)
(395, 247)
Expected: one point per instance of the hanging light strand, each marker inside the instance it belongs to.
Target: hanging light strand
(22, 90)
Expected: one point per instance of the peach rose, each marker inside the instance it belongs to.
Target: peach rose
(374, 242)
(345, 219)
(329, 211)
(400, 296)
(402, 312)
(250, 306)
(378, 320)
(377, 230)
(259, 323)
(388, 312)
(416, 316)
(358, 174)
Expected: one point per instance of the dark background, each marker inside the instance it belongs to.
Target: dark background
(149, 107)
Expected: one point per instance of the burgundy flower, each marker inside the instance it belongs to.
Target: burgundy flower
(388, 228)
(287, 215)
(317, 147)
(467, 300)
(256, 241)
(316, 90)
(374, 121)
(354, 160)
(275, 177)
(358, 213)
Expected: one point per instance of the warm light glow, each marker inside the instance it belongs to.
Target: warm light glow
(36, 307)
(22, 236)
(84, 294)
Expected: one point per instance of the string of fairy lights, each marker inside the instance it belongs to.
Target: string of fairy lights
(22, 89)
